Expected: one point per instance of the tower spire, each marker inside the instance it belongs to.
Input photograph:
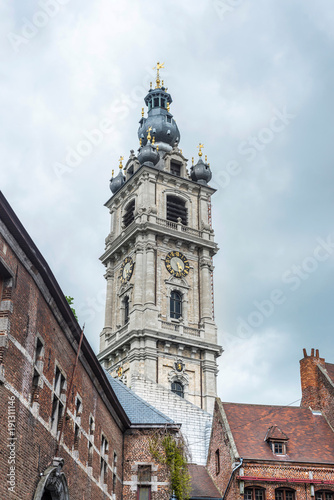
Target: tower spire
(158, 67)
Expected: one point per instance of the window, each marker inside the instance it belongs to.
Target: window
(114, 473)
(284, 494)
(129, 213)
(156, 102)
(324, 495)
(90, 455)
(91, 425)
(37, 371)
(278, 447)
(175, 305)
(126, 310)
(175, 168)
(78, 406)
(144, 493)
(57, 405)
(76, 437)
(253, 493)
(104, 460)
(176, 209)
(169, 119)
(144, 477)
(178, 389)
(217, 462)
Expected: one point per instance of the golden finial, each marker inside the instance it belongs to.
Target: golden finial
(112, 173)
(162, 83)
(168, 107)
(157, 148)
(121, 158)
(181, 152)
(140, 141)
(193, 161)
(149, 133)
(209, 164)
(200, 146)
(158, 67)
(142, 111)
(206, 159)
(150, 85)
(153, 140)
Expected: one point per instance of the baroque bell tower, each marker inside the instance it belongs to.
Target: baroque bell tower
(159, 318)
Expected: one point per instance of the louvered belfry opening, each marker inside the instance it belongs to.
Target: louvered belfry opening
(176, 207)
(129, 214)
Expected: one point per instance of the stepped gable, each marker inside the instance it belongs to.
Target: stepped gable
(137, 410)
(310, 437)
(202, 486)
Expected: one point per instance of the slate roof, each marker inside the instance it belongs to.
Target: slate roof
(310, 437)
(330, 370)
(137, 410)
(202, 485)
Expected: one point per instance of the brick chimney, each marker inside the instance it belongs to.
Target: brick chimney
(309, 378)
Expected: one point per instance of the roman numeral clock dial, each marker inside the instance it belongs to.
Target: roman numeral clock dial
(177, 264)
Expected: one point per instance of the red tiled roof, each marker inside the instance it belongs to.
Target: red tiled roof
(202, 485)
(310, 437)
(330, 370)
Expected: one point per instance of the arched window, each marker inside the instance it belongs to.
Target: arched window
(126, 310)
(284, 494)
(324, 495)
(253, 493)
(176, 208)
(129, 213)
(178, 389)
(175, 305)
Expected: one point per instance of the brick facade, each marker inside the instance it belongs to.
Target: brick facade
(256, 451)
(39, 342)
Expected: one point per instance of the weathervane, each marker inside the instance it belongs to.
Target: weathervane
(200, 146)
(158, 67)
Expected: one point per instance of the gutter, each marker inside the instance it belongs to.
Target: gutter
(282, 480)
(231, 477)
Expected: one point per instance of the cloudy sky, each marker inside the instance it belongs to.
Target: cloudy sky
(252, 80)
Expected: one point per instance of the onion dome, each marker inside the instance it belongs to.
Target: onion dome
(117, 182)
(201, 172)
(159, 118)
(148, 154)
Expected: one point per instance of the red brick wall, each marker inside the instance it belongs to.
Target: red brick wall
(35, 445)
(219, 441)
(137, 452)
(317, 390)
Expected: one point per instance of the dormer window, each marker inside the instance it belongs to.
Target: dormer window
(277, 440)
(278, 448)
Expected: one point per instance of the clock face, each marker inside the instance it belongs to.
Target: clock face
(126, 269)
(177, 264)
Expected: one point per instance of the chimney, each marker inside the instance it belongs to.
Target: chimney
(309, 379)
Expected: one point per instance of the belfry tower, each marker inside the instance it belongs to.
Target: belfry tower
(159, 318)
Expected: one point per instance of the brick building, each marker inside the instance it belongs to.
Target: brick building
(63, 436)
(262, 452)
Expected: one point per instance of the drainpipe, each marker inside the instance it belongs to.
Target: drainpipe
(232, 474)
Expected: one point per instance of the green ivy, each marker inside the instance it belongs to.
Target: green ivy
(174, 457)
(70, 301)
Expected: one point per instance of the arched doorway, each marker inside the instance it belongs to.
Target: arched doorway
(53, 484)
